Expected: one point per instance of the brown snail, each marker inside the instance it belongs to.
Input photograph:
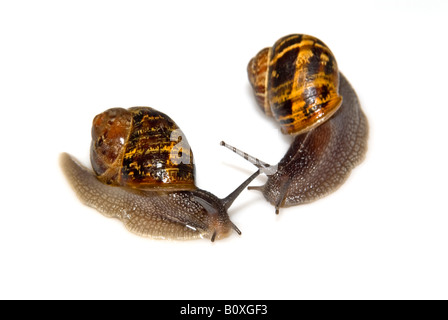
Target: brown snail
(144, 176)
(297, 82)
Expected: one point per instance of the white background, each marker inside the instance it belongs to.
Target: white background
(383, 235)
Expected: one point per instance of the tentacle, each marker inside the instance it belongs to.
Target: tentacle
(265, 167)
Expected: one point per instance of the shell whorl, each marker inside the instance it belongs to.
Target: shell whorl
(142, 148)
(297, 82)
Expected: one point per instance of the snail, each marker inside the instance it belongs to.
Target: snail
(144, 175)
(297, 82)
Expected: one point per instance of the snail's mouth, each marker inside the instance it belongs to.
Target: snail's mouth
(221, 230)
(218, 235)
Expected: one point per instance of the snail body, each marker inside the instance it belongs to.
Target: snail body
(297, 82)
(144, 175)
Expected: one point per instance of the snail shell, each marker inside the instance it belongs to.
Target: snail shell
(141, 148)
(298, 83)
(144, 176)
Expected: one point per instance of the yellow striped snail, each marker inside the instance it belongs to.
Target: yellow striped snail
(144, 175)
(297, 82)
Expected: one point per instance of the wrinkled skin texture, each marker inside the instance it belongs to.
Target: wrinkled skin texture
(178, 215)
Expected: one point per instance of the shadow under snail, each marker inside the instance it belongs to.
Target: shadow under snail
(297, 82)
(144, 176)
